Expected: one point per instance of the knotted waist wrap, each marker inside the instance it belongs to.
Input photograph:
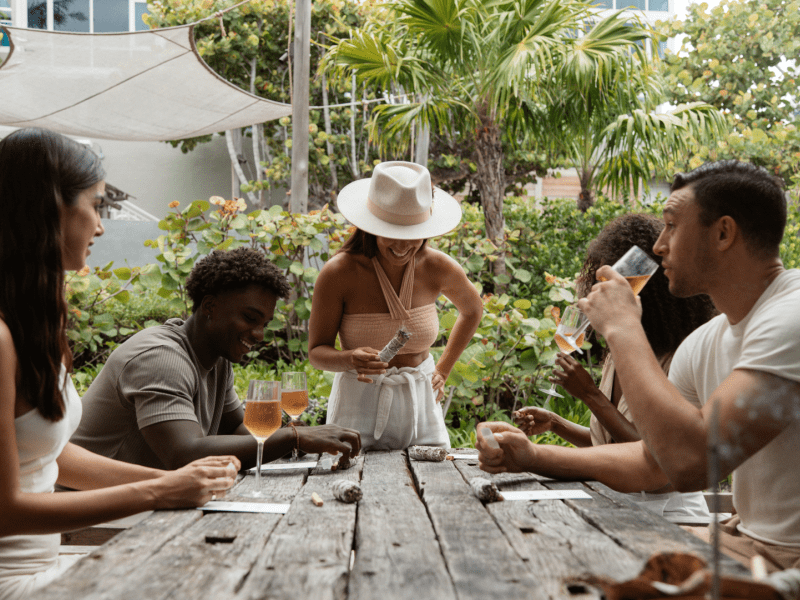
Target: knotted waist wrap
(372, 409)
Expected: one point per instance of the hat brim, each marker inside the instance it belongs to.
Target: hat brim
(352, 203)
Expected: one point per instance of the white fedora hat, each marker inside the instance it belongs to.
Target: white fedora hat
(399, 202)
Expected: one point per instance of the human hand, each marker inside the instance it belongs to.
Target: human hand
(437, 382)
(367, 361)
(572, 376)
(533, 420)
(331, 439)
(611, 305)
(196, 483)
(516, 452)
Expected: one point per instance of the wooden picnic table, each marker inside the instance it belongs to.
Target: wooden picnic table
(417, 533)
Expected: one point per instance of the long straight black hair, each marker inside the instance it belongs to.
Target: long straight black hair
(40, 171)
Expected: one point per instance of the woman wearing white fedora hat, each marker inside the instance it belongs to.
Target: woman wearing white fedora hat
(384, 277)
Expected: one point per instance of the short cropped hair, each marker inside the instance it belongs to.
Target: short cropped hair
(223, 271)
(666, 319)
(750, 195)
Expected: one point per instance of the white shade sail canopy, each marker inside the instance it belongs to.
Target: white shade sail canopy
(139, 86)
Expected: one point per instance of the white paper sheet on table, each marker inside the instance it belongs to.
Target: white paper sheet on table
(459, 456)
(308, 464)
(546, 495)
(249, 507)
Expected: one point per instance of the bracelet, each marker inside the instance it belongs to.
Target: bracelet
(296, 437)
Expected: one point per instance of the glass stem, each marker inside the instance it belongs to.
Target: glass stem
(259, 452)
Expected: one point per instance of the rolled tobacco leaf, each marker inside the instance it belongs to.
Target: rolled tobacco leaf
(429, 453)
(485, 490)
(395, 344)
(347, 491)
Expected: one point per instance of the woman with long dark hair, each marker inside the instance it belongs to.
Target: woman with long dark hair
(666, 320)
(50, 191)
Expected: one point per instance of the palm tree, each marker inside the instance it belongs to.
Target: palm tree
(472, 67)
(612, 132)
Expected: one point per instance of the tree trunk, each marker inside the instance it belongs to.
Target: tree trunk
(326, 112)
(491, 182)
(585, 197)
(237, 168)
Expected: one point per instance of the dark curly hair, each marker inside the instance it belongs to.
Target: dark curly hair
(223, 271)
(750, 195)
(666, 319)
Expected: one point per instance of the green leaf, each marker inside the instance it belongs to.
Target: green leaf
(123, 273)
(447, 320)
(124, 296)
(522, 275)
(522, 303)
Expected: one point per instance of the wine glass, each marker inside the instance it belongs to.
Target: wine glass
(637, 267)
(569, 337)
(262, 417)
(294, 397)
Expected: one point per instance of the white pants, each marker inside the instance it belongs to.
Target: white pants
(396, 411)
(29, 562)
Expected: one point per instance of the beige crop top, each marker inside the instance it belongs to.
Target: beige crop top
(374, 330)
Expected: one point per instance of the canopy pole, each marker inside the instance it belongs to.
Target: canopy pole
(300, 103)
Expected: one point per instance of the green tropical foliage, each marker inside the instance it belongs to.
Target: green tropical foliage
(741, 57)
(472, 68)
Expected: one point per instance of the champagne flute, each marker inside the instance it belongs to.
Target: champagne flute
(569, 337)
(294, 397)
(636, 267)
(262, 417)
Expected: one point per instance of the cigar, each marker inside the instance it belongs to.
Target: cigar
(429, 453)
(395, 344)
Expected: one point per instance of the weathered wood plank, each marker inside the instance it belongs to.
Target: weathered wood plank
(119, 558)
(308, 554)
(208, 553)
(397, 554)
(481, 562)
(643, 532)
(555, 541)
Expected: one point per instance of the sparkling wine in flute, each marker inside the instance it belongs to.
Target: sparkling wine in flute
(262, 418)
(564, 345)
(294, 402)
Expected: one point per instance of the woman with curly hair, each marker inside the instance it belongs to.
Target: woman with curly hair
(666, 320)
(50, 190)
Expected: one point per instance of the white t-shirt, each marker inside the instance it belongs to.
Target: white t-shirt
(766, 487)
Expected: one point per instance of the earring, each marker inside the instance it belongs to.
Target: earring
(208, 316)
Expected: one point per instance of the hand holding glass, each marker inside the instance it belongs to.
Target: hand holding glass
(569, 337)
(636, 267)
(262, 418)
(294, 397)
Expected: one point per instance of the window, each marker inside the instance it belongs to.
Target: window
(662, 5)
(604, 3)
(634, 4)
(87, 16)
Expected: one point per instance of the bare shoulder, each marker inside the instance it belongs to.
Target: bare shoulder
(436, 261)
(345, 265)
(8, 354)
(6, 340)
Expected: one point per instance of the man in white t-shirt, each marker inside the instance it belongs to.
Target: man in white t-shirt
(724, 223)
